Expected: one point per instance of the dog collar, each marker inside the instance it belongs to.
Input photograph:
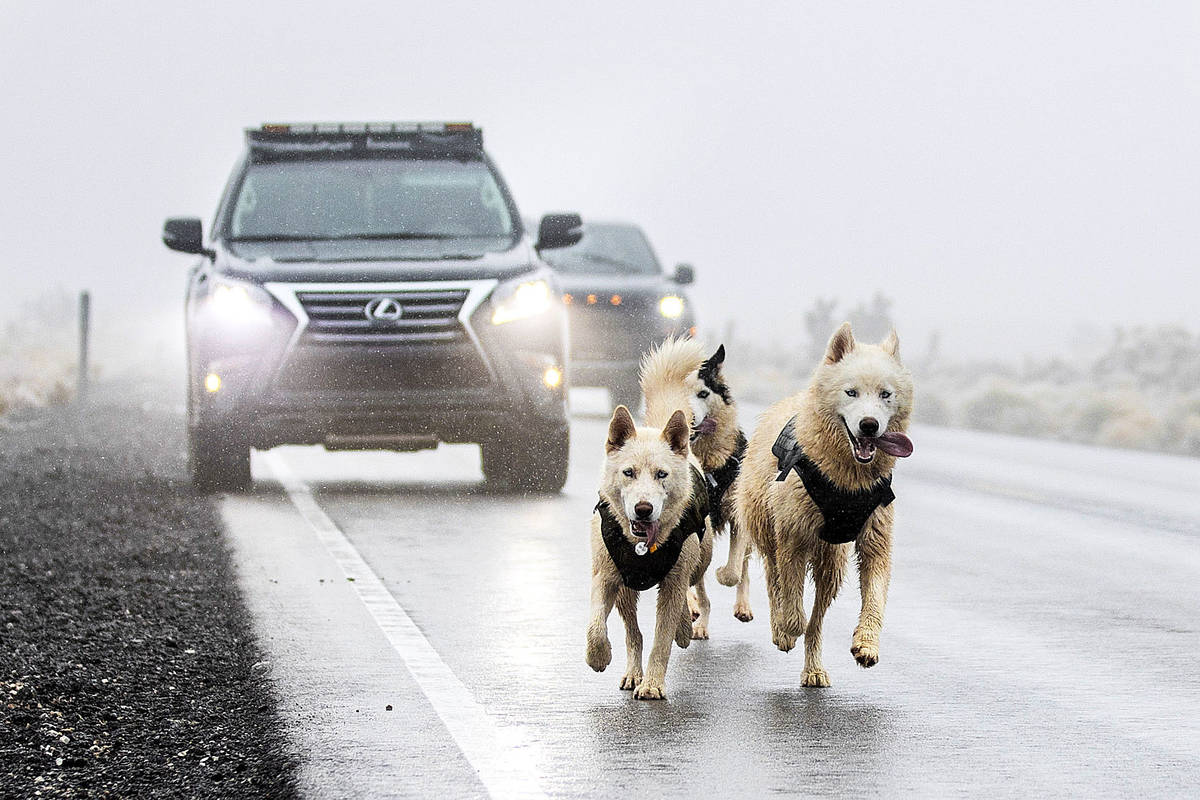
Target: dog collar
(845, 512)
(641, 572)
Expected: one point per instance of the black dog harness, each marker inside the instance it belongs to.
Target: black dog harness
(643, 572)
(845, 512)
(721, 478)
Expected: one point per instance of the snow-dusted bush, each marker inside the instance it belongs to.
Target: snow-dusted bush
(38, 354)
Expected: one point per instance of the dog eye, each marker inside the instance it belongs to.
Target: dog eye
(628, 472)
(885, 394)
(661, 474)
(852, 392)
(703, 393)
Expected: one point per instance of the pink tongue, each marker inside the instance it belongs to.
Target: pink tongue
(649, 530)
(707, 426)
(894, 444)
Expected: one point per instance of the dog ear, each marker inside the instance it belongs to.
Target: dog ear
(710, 367)
(677, 433)
(841, 343)
(620, 430)
(891, 345)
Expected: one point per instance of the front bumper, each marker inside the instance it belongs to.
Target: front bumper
(301, 384)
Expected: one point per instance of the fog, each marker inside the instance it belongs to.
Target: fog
(1013, 176)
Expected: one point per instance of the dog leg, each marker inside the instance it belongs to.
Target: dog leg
(599, 650)
(672, 595)
(783, 640)
(829, 562)
(874, 575)
(683, 634)
(739, 553)
(627, 600)
(700, 618)
(792, 569)
(741, 606)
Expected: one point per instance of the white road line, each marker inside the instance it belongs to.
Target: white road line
(505, 764)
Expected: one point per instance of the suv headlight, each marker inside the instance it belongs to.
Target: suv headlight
(232, 301)
(527, 299)
(671, 306)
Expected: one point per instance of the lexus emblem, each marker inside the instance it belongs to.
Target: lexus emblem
(383, 309)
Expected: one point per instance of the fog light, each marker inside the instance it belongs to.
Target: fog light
(552, 377)
(212, 383)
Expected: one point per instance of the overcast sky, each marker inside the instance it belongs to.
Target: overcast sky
(1003, 171)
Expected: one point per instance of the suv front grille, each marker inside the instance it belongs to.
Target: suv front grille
(426, 317)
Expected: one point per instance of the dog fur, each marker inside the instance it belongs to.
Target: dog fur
(671, 374)
(650, 464)
(783, 523)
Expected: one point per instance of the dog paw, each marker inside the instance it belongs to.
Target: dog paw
(599, 654)
(742, 611)
(784, 641)
(865, 652)
(699, 630)
(649, 691)
(817, 678)
(631, 679)
(727, 576)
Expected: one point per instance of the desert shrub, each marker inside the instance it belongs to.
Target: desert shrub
(1002, 408)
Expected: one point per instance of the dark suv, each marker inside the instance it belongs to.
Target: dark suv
(372, 286)
(619, 303)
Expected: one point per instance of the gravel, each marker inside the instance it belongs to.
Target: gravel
(127, 663)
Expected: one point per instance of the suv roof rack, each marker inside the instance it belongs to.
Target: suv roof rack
(448, 138)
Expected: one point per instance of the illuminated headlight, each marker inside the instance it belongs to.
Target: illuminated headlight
(237, 301)
(552, 377)
(527, 300)
(671, 307)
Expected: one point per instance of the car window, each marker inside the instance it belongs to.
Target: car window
(370, 198)
(606, 249)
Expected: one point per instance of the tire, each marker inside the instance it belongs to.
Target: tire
(626, 393)
(534, 462)
(218, 461)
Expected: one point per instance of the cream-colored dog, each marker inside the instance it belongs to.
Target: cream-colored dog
(676, 372)
(650, 528)
(816, 478)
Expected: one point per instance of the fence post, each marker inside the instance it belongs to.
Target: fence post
(85, 321)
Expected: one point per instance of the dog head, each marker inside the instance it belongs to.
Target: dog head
(710, 399)
(646, 473)
(865, 394)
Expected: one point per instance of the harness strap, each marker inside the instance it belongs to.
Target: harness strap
(845, 512)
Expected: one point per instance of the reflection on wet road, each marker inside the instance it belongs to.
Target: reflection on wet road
(1040, 635)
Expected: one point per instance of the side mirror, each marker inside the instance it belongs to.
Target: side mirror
(684, 274)
(559, 230)
(184, 234)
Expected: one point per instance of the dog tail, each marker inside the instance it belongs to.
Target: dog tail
(663, 372)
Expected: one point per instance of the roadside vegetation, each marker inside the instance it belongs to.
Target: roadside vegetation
(1133, 388)
(38, 353)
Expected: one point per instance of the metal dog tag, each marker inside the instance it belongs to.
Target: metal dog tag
(641, 549)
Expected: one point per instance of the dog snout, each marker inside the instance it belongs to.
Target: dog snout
(868, 426)
(643, 510)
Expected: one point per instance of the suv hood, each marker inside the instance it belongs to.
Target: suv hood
(367, 261)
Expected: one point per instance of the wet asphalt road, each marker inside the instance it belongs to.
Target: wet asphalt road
(1041, 636)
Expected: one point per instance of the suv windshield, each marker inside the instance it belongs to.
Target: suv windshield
(606, 249)
(370, 199)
